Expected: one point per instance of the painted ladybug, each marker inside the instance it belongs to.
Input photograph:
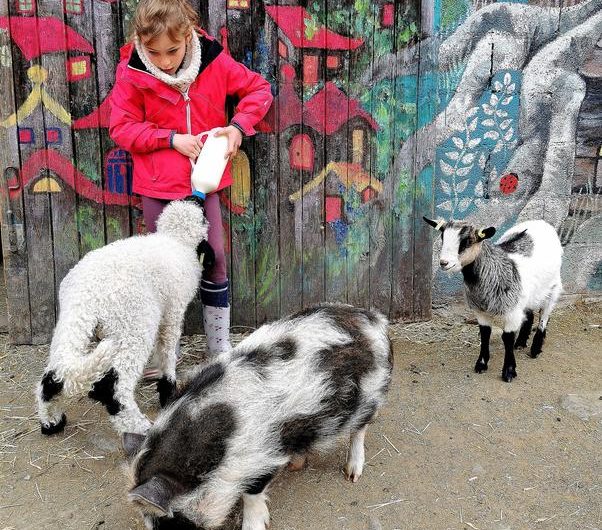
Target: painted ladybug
(509, 183)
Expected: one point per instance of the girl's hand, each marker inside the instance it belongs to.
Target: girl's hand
(234, 139)
(187, 144)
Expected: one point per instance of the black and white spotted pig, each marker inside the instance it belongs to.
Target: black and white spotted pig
(510, 279)
(291, 387)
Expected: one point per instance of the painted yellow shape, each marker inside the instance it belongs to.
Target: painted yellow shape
(241, 176)
(350, 175)
(358, 145)
(78, 68)
(47, 185)
(37, 75)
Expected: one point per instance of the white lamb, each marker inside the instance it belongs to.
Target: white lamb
(132, 294)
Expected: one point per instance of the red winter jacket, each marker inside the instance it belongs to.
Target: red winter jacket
(144, 112)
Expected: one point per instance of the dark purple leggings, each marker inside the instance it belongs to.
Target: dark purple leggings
(152, 208)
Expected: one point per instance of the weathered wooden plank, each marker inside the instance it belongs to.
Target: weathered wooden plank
(107, 39)
(265, 182)
(337, 182)
(59, 144)
(38, 230)
(312, 201)
(12, 219)
(423, 193)
(86, 142)
(290, 183)
(242, 226)
(405, 92)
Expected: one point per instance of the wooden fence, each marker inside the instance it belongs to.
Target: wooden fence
(321, 208)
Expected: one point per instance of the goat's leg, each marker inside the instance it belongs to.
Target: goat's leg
(509, 368)
(48, 393)
(355, 459)
(525, 330)
(485, 333)
(540, 333)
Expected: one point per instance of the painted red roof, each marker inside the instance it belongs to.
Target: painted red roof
(292, 21)
(99, 117)
(36, 36)
(328, 110)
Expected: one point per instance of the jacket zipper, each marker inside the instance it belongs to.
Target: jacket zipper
(188, 118)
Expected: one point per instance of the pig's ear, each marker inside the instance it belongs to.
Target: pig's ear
(131, 443)
(153, 496)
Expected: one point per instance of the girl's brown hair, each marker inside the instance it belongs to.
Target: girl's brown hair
(154, 17)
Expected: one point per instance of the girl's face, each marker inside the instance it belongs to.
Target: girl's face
(165, 53)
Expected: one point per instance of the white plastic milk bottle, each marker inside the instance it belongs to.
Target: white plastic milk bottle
(210, 164)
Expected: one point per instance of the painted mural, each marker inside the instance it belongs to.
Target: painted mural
(382, 111)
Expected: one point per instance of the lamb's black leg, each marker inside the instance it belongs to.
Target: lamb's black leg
(166, 389)
(525, 331)
(481, 365)
(509, 369)
(538, 340)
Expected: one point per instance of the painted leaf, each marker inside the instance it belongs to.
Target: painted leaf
(482, 161)
(464, 203)
(458, 142)
(498, 146)
(493, 135)
(504, 125)
(512, 87)
(489, 122)
(463, 171)
(498, 86)
(507, 100)
(478, 189)
(446, 168)
(468, 159)
(453, 155)
(493, 100)
(473, 125)
(487, 109)
(501, 113)
(474, 142)
(462, 186)
(445, 205)
(507, 78)
(445, 187)
(509, 134)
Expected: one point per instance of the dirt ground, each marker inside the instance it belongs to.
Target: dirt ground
(452, 449)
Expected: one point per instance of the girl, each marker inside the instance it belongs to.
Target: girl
(171, 84)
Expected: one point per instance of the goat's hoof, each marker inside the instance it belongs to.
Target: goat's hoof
(535, 351)
(53, 428)
(518, 345)
(508, 374)
(353, 472)
(480, 367)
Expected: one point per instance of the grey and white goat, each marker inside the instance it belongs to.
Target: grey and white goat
(132, 294)
(510, 279)
(291, 387)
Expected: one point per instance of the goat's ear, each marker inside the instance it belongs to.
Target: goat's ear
(437, 225)
(485, 233)
(153, 496)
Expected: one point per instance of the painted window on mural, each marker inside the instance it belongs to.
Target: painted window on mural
(301, 153)
(310, 69)
(388, 15)
(333, 61)
(241, 177)
(74, 7)
(238, 4)
(282, 50)
(78, 68)
(26, 7)
(357, 146)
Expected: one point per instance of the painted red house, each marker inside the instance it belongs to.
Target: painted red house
(309, 50)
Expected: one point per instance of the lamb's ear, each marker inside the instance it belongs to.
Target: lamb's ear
(485, 233)
(153, 496)
(437, 225)
(131, 443)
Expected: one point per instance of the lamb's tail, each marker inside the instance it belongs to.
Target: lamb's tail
(74, 361)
